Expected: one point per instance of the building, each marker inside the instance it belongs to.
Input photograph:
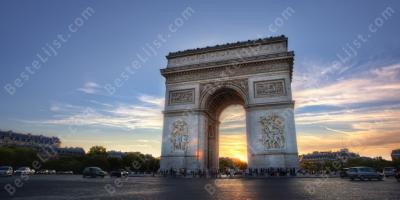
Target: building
(42, 144)
(200, 83)
(324, 156)
(70, 151)
(396, 154)
(8, 138)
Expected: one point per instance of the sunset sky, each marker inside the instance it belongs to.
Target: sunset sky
(346, 81)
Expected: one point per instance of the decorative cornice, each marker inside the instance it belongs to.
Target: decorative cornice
(232, 70)
(239, 44)
(238, 61)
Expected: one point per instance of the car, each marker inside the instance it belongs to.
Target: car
(94, 172)
(6, 171)
(24, 171)
(343, 173)
(389, 171)
(119, 173)
(363, 173)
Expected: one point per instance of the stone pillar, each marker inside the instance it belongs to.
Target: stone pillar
(183, 142)
(270, 123)
(271, 138)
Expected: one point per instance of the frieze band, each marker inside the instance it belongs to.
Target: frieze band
(228, 54)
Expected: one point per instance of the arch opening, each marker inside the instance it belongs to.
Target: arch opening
(232, 133)
(223, 99)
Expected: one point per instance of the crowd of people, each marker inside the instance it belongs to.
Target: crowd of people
(251, 172)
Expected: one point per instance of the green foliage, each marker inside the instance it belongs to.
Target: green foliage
(97, 150)
(137, 161)
(115, 163)
(396, 163)
(17, 156)
(75, 164)
(376, 163)
(231, 163)
(97, 156)
(7, 156)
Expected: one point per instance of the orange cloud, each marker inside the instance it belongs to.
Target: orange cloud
(234, 146)
(366, 144)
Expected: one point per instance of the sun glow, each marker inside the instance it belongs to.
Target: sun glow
(232, 138)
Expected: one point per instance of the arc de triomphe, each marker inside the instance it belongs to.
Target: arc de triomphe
(202, 82)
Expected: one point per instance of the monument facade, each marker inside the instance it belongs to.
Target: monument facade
(201, 83)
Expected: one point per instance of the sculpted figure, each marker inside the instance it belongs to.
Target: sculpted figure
(179, 136)
(272, 132)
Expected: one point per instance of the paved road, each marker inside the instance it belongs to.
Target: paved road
(75, 187)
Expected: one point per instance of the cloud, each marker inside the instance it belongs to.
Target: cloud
(366, 102)
(365, 143)
(233, 119)
(146, 115)
(234, 146)
(377, 85)
(90, 88)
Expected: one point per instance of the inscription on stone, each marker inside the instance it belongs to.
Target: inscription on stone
(181, 96)
(270, 88)
(228, 54)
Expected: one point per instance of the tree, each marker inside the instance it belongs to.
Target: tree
(231, 163)
(97, 150)
(139, 162)
(97, 156)
(115, 163)
(7, 156)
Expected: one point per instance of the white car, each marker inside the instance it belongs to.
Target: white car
(389, 171)
(6, 171)
(24, 171)
(364, 173)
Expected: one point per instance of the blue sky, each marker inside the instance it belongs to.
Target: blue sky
(356, 99)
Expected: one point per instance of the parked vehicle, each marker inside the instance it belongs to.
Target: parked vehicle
(119, 173)
(6, 171)
(94, 172)
(24, 171)
(363, 173)
(343, 173)
(389, 171)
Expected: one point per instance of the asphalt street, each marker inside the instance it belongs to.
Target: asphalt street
(75, 187)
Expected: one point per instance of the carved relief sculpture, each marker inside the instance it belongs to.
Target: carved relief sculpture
(272, 136)
(272, 88)
(179, 136)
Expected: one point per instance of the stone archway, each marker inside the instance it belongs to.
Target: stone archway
(200, 83)
(214, 104)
